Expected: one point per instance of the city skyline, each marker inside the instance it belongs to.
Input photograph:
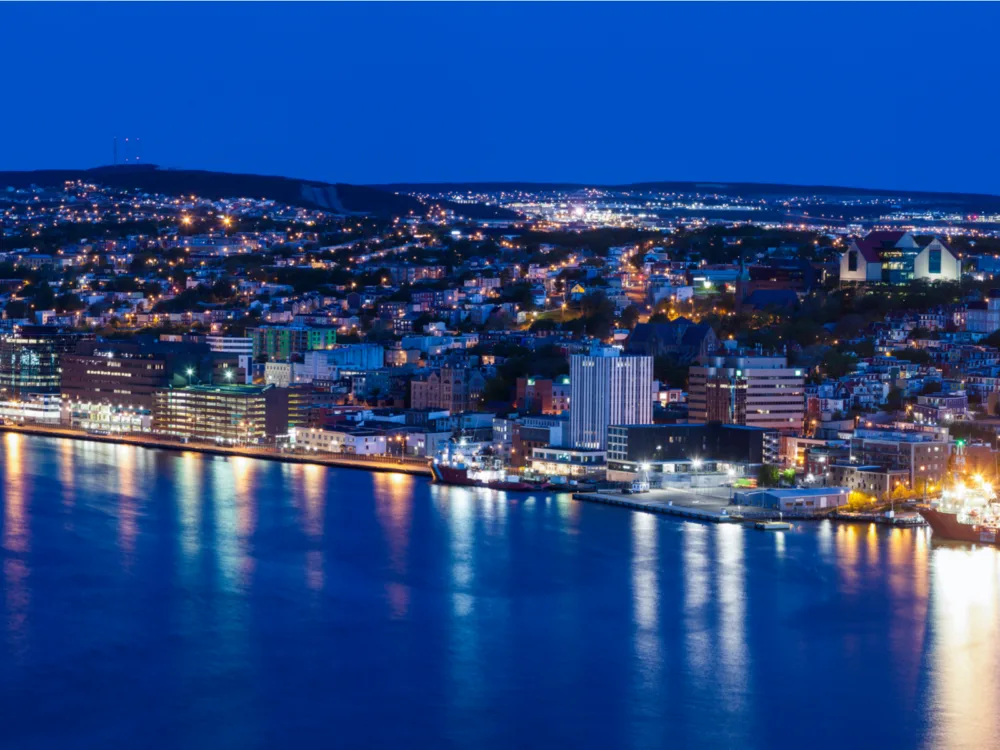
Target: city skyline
(599, 94)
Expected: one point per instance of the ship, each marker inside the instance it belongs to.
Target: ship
(966, 514)
(470, 465)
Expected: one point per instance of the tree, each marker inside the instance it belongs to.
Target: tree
(901, 493)
(837, 364)
(670, 371)
(768, 475)
(69, 303)
(42, 296)
(859, 500)
(932, 386)
(630, 316)
(894, 401)
(16, 309)
(598, 315)
(497, 390)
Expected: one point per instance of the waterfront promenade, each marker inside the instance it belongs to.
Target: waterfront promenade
(415, 466)
(696, 506)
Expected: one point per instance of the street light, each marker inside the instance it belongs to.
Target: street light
(190, 372)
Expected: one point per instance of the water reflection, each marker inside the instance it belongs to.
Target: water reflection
(697, 590)
(16, 544)
(128, 494)
(314, 485)
(733, 653)
(238, 595)
(645, 599)
(966, 683)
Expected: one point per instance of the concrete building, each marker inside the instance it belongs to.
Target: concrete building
(878, 481)
(543, 395)
(747, 389)
(530, 432)
(571, 463)
(236, 414)
(450, 388)
(922, 455)
(356, 440)
(608, 389)
(726, 447)
(984, 317)
(110, 386)
(941, 408)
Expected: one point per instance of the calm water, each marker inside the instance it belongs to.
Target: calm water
(169, 600)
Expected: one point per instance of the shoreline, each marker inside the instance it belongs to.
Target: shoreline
(415, 467)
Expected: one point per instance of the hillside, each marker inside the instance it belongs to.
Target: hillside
(337, 197)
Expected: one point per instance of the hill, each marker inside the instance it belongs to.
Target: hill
(337, 197)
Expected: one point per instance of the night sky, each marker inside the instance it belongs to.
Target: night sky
(894, 95)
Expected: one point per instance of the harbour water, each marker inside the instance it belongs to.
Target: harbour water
(163, 599)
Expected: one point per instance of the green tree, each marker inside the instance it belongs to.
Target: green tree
(768, 475)
(630, 316)
(17, 309)
(894, 401)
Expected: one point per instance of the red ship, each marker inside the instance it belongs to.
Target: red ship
(966, 514)
(471, 464)
(947, 525)
(461, 476)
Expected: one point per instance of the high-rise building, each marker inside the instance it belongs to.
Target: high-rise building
(608, 389)
(30, 359)
(750, 389)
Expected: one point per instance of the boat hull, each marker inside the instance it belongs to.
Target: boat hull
(460, 477)
(947, 526)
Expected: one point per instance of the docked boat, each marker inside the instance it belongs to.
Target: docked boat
(468, 465)
(966, 514)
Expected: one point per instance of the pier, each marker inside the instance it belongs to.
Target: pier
(681, 503)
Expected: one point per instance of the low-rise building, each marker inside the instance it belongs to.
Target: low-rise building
(355, 440)
(797, 501)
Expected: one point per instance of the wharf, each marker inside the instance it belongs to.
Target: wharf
(681, 503)
(419, 467)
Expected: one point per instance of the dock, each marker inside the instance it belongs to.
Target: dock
(681, 503)
(772, 525)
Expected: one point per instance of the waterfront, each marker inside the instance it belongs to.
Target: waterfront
(171, 599)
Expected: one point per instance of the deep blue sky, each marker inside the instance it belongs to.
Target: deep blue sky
(891, 95)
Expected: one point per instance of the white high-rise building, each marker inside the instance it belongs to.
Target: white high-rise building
(607, 389)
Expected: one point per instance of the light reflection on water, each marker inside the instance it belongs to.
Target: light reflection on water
(234, 599)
